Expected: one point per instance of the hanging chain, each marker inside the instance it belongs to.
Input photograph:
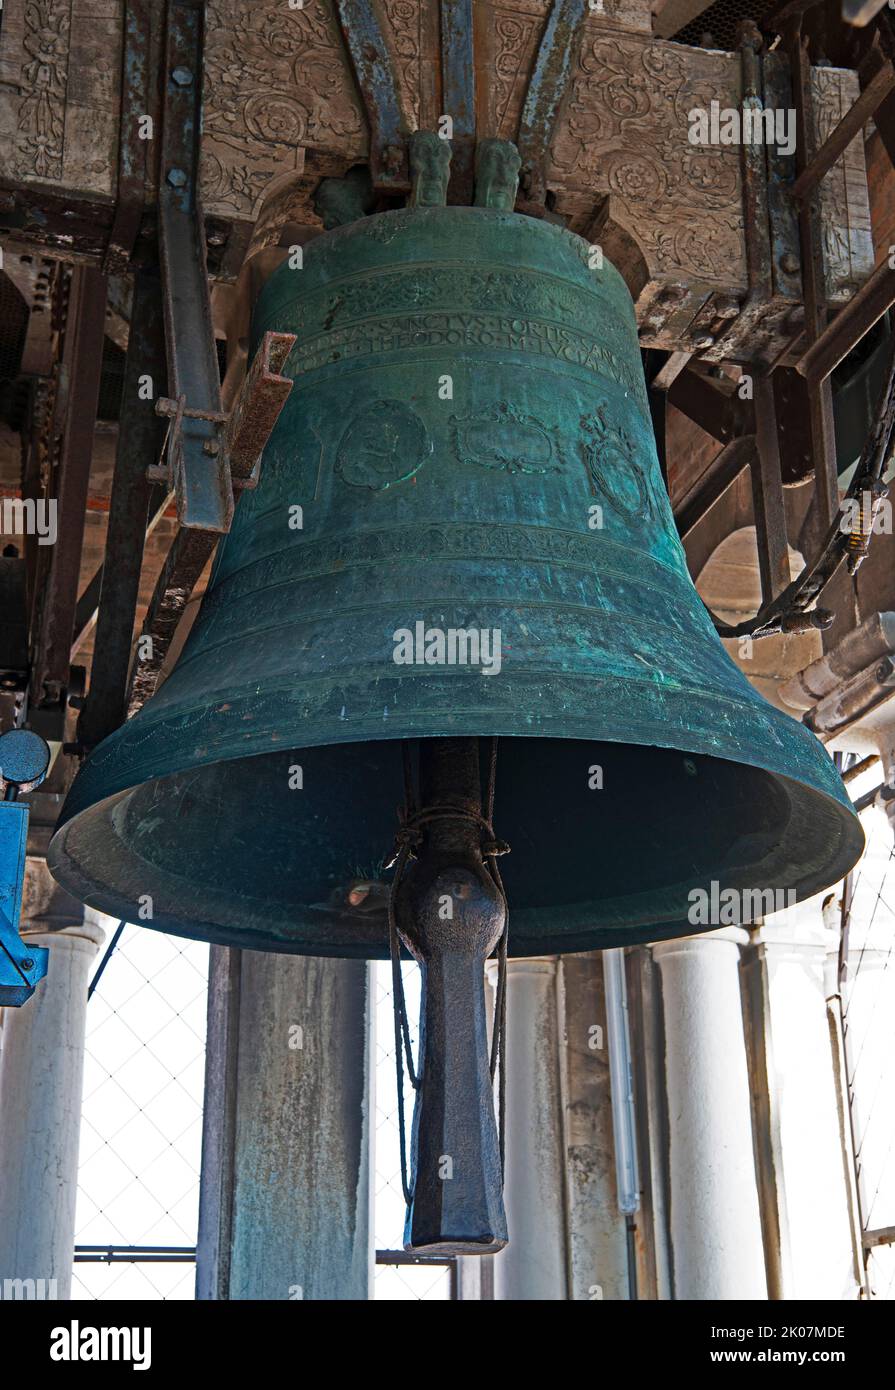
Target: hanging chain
(409, 836)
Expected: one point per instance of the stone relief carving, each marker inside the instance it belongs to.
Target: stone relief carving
(276, 79)
(514, 39)
(848, 239)
(281, 103)
(625, 134)
(44, 79)
(406, 17)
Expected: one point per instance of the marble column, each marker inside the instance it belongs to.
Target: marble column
(41, 1081)
(716, 1231)
(285, 1204)
(534, 1264)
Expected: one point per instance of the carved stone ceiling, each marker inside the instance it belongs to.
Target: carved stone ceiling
(283, 110)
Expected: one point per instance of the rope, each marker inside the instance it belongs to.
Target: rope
(407, 840)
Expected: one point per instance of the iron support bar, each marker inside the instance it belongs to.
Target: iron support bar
(820, 400)
(189, 554)
(57, 588)
(768, 508)
(714, 408)
(546, 89)
(724, 469)
(848, 327)
(756, 217)
(139, 438)
(885, 1235)
(134, 1254)
(458, 93)
(87, 610)
(201, 476)
(140, 18)
(109, 952)
(371, 61)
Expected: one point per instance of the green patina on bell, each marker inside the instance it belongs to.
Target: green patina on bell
(469, 441)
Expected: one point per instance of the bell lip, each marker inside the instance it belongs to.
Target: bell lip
(522, 943)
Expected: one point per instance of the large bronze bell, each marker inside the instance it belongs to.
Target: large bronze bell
(487, 549)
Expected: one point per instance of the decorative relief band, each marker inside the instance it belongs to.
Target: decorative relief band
(479, 541)
(458, 329)
(434, 286)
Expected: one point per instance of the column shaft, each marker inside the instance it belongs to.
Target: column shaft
(715, 1225)
(41, 1081)
(286, 1190)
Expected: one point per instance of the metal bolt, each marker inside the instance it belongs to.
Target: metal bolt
(703, 340)
(176, 178)
(182, 76)
(27, 963)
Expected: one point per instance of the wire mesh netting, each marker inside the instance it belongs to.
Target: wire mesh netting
(419, 1282)
(141, 1127)
(141, 1123)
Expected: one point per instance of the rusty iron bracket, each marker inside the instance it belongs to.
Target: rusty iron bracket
(241, 435)
(257, 409)
(371, 60)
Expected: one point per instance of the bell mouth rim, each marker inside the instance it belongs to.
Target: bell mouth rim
(811, 803)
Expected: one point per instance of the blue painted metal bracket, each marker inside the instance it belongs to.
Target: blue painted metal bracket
(546, 89)
(458, 88)
(22, 966)
(371, 61)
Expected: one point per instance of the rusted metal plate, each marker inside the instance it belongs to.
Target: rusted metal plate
(767, 496)
(257, 409)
